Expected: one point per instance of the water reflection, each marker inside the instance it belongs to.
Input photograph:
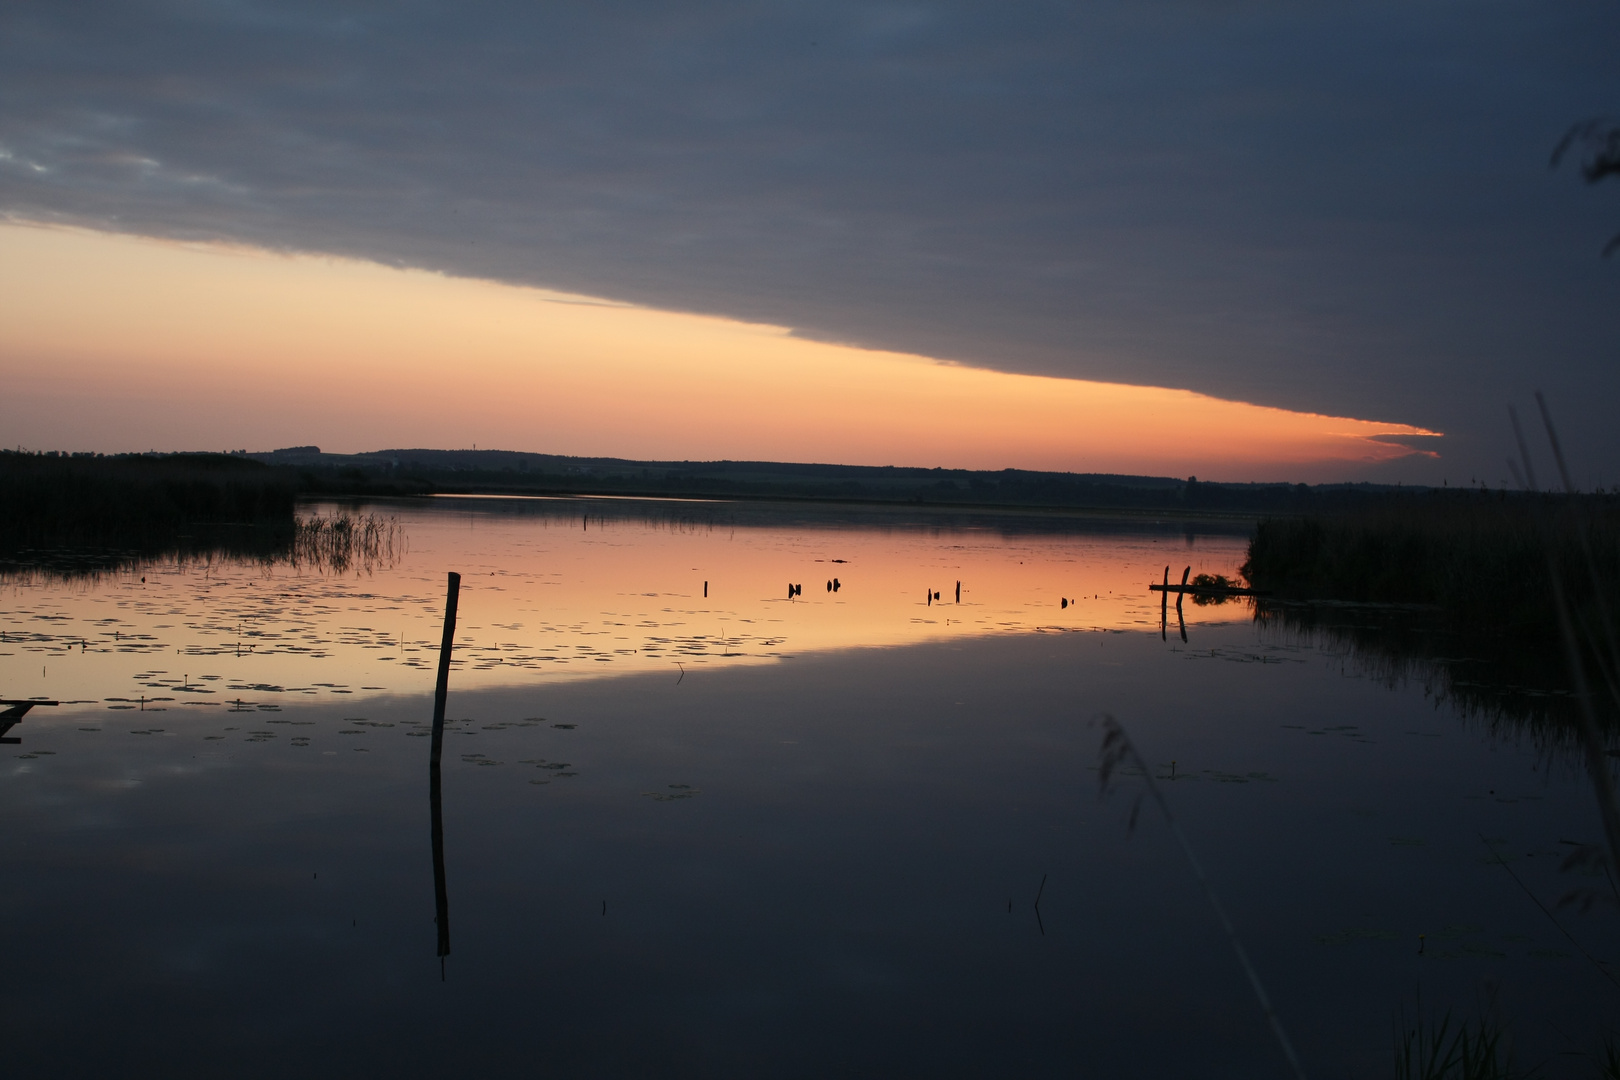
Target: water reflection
(1511, 686)
(808, 865)
(441, 892)
(332, 543)
(811, 865)
(13, 714)
(568, 589)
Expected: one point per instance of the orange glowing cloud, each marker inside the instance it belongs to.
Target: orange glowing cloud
(113, 342)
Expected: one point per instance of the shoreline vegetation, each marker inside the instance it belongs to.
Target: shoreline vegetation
(1455, 588)
(84, 515)
(1479, 559)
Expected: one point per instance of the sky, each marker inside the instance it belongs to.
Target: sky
(1235, 238)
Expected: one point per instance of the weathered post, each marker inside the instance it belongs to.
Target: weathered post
(1164, 605)
(442, 691)
(441, 894)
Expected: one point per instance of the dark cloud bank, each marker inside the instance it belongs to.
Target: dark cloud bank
(1340, 208)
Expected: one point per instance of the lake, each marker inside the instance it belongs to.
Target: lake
(693, 825)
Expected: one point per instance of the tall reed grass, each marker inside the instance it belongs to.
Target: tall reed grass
(1482, 558)
(345, 541)
(1444, 1050)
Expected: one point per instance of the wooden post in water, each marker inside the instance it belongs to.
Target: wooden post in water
(1164, 606)
(1180, 596)
(442, 691)
(441, 894)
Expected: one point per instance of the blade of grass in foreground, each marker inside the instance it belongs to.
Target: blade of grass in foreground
(1116, 750)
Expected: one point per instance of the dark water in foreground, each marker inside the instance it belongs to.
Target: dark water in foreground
(811, 864)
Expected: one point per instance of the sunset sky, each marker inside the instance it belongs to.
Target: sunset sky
(1245, 241)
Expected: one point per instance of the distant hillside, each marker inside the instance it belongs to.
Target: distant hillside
(512, 472)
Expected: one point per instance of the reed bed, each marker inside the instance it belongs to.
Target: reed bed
(1457, 590)
(342, 542)
(1480, 558)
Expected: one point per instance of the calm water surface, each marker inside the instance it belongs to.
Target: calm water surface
(745, 834)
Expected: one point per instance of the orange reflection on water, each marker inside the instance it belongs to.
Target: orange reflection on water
(563, 589)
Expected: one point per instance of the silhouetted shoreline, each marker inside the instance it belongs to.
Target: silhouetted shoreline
(405, 472)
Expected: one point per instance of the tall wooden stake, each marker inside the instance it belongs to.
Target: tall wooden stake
(1164, 608)
(443, 689)
(441, 895)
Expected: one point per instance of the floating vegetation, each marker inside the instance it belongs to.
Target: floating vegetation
(1345, 937)
(676, 791)
(554, 768)
(1239, 778)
